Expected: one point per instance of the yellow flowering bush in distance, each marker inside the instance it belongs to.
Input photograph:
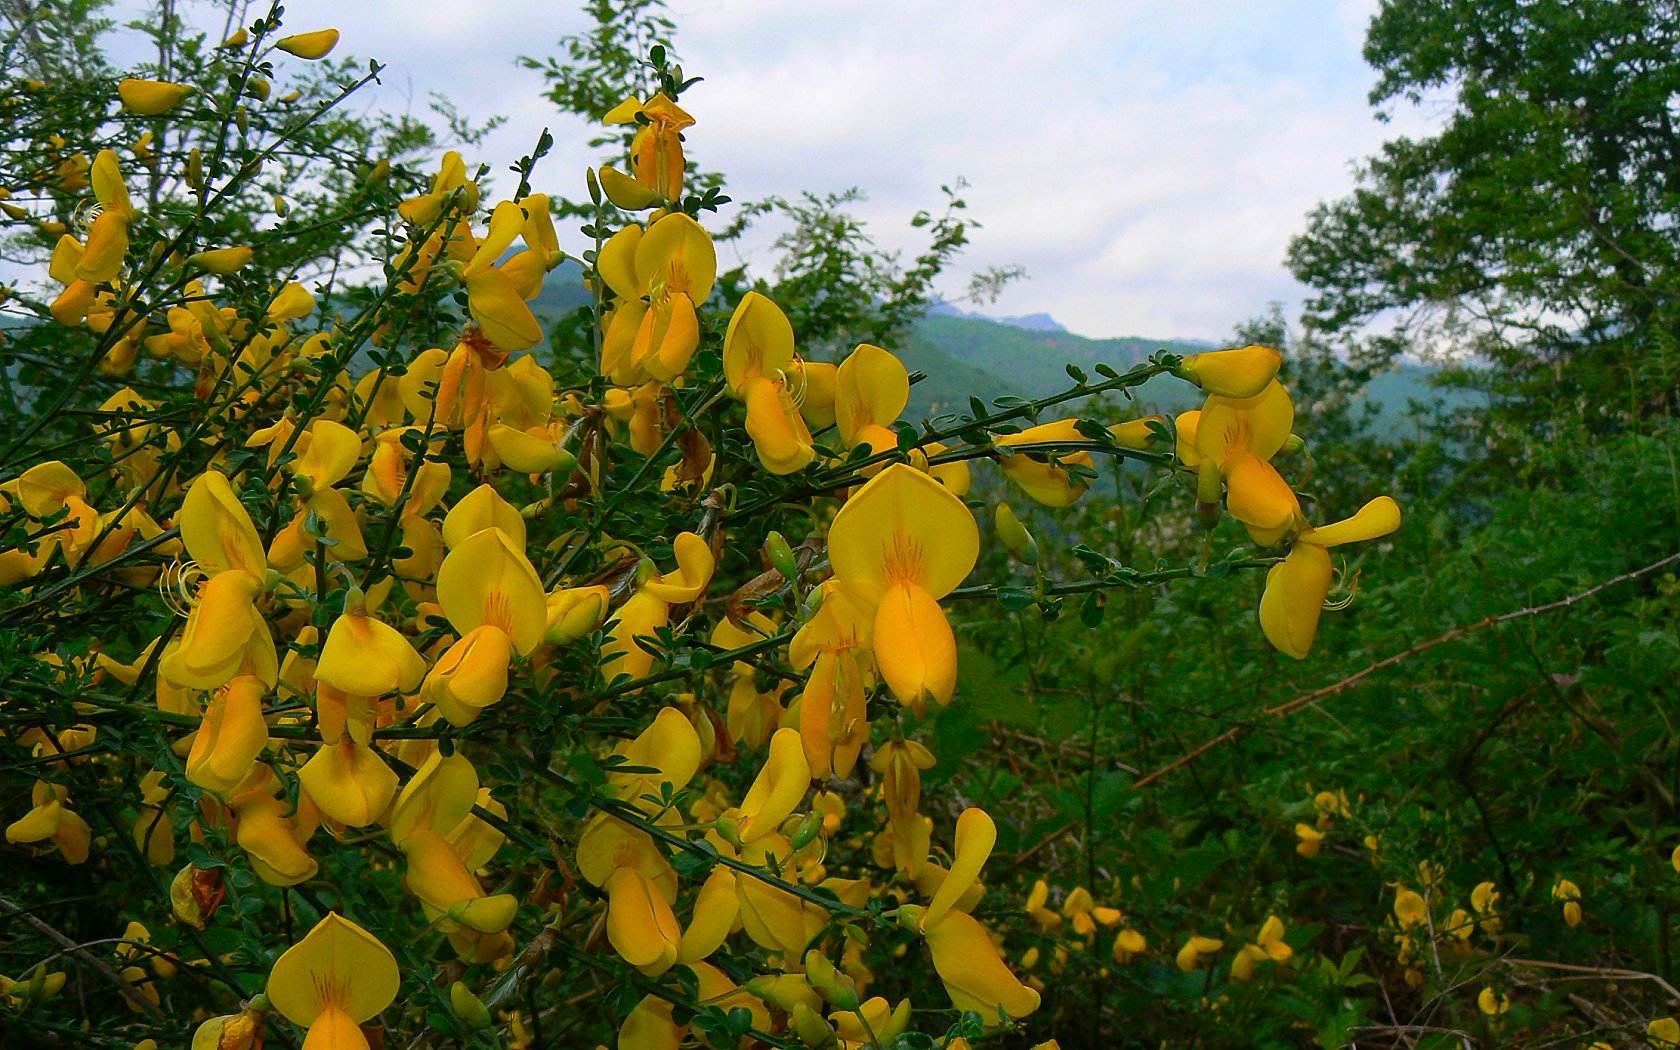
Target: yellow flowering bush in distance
(454, 682)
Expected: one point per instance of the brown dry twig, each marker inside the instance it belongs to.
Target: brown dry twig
(104, 969)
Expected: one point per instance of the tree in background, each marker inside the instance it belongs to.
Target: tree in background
(1538, 229)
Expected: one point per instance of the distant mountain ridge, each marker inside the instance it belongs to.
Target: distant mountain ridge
(964, 354)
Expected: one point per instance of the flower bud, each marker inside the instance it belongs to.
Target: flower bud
(469, 1007)
(1239, 373)
(729, 828)
(1014, 535)
(811, 1028)
(781, 555)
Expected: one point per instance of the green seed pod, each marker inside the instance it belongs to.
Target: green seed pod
(781, 555)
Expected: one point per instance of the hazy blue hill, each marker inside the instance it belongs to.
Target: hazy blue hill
(1026, 362)
(965, 354)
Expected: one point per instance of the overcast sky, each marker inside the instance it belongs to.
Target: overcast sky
(1146, 160)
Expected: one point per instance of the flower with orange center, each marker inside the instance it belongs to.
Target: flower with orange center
(332, 981)
(901, 543)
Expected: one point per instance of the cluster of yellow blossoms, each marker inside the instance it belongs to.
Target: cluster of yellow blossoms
(352, 591)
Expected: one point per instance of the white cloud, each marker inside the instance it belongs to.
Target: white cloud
(1146, 160)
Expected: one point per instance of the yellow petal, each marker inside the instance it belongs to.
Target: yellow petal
(364, 656)
(487, 580)
(233, 734)
(272, 845)
(220, 629)
(640, 924)
(349, 782)
(626, 192)
(617, 263)
(108, 185)
(903, 526)
(695, 565)
(483, 508)
(498, 308)
(217, 530)
(574, 612)
(1259, 424)
(471, 675)
(1046, 483)
(677, 254)
(1239, 373)
(437, 875)
(914, 647)
(973, 973)
(337, 965)
(818, 384)
(292, 302)
(1377, 518)
(778, 431)
(150, 98)
(676, 327)
(641, 616)
(716, 909)
(107, 244)
(669, 746)
(872, 388)
(310, 46)
(778, 788)
(221, 261)
(650, 1027)
(758, 342)
(1256, 493)
(976, 835)
(330, 455)
(1294, 598)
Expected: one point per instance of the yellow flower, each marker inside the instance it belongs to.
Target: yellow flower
(333, 980)
(757, 361)
(1297, 586)
(1570, 895)
(1047, 483)
(51, 819)
(1190, 954)
(232, 735)
(1235, 440)
(1664, 1031)
(872, 387)
(493, 597)
(151, 98)
(365, 656)
(107, 239)
(656, 153)
(573, 612)
(310, 46)
(1490, 1002)
(1311, 840)
(221, 261)
(1128, 944)
(660, 276)
(1410, 908)
(776, 791)
(901, 543)
(493, 298)
(1238, 374)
